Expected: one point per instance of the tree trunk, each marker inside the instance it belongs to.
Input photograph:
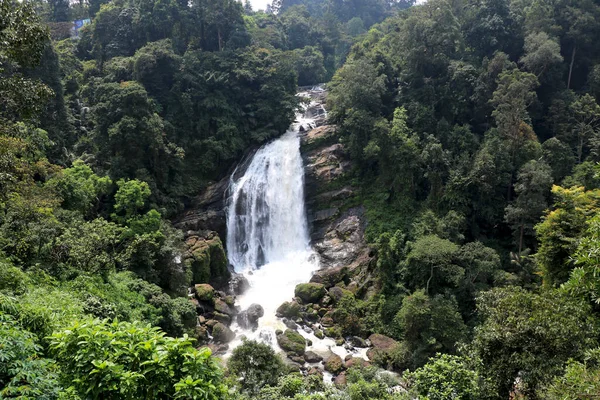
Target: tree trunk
(571, 66)
(521, 238)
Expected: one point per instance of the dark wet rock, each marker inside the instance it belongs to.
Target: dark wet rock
(357, 341)
(221, 333)
(290, 324)
(224, 318)
(248, 319)
(238, 284)
(224, 308)
(297, 359)
(312, 357)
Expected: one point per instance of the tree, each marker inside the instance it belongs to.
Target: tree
(530, 336)
(430, 265)
(515, 93)
(583, 280)
(256, 364)
(131, 361)
(426, 325)
(586, 119)
(560, 230)
(581, 380)
(24, 373)
(446, 377)
(559, 156)
(309, 66)
(23, 41)
(541, 51)
(79, 188)
(534, 182)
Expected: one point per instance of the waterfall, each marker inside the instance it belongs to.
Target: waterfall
(266, 215)
(267, 233)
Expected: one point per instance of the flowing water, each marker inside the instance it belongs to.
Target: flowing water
(267, 235)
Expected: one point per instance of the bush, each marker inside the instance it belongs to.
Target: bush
(256, 364)
(132, 361)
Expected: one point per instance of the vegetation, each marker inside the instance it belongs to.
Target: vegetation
(473, 129)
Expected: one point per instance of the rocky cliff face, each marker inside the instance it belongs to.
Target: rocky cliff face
(335, 215)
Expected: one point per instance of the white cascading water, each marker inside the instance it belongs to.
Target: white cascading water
(267, 232)
(268, 239)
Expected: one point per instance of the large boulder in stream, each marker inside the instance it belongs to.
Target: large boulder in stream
(248, 319)
(292, 342)
(334, 364)
(310, 292)
(289, 309)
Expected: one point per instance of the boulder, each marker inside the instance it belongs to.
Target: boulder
(357, 361)
(381, 344)
(248, 319)
(290, 324)
(336, 293)
(224, 308)
(357, 341)
(334, 364)
(238, 284)
(206, 258)
(289, 309)
(292, 342)
(340, 381)
(330, 276)
(221, 333)
(312, 357)
(310, 292)
(204, 292)
(315, 371)
(224, 318)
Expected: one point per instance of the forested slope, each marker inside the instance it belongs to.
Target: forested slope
(473, 131)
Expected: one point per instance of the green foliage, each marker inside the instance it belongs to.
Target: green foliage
(529, 335)
(24, 373)
(426, 326)
(130, 360)
(79, 188)
(257, 365)
(580, 380)
(444, 377)
(561, 228)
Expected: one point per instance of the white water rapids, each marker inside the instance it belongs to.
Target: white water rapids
(268, 239)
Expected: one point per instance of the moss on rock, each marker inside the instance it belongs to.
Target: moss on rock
(292, 342)
(310, 292)
(204, 292)
(207, 260)
(289, 309)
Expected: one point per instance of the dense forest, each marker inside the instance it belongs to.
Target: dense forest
(473, 129)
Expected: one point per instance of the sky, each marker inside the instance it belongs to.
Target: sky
(259, 4)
